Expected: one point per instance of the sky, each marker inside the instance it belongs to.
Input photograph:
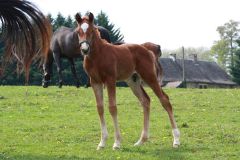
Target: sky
(170, 23)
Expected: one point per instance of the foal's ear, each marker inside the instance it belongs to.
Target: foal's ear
(90, 17)
(78, 18)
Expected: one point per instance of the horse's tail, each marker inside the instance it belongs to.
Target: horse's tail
(156, 49)
(25, 31)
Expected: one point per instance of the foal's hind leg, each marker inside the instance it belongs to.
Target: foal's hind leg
(134, 83)
(73, 69)
(150, 78)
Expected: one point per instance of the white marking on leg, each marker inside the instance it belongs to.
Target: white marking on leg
(176, 136)
(117, 135)
(104, 136)
(98, 91)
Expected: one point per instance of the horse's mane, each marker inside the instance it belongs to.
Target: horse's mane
(24, 30)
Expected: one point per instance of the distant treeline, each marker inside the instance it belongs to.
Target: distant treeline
(12, 76)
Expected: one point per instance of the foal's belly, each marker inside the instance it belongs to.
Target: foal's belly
(124, 74)
(125, 70)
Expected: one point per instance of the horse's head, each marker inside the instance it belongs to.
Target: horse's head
(85, 31)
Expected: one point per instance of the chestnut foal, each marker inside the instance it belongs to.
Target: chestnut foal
(106, 63)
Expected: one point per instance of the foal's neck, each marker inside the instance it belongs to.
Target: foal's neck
(97, 43)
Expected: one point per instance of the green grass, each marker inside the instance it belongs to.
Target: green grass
(37, 123)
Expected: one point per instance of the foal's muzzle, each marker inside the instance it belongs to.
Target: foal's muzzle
(85, 47)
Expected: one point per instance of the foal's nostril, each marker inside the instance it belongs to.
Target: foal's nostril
(85, 48)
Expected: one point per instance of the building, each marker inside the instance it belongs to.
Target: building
(198, 74)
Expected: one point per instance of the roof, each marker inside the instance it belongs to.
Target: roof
(195, 71)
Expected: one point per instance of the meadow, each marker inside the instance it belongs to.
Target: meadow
(53, 123)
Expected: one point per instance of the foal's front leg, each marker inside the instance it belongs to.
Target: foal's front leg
(98, 91)
(111, 88)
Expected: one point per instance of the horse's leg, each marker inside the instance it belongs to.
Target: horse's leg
(149, 76)
(111, 88)
(98, 91)
(47, 67)
(73, 69)
(139, 92)
(88, 82)
(56, 57)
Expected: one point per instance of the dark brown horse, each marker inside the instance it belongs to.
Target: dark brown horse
(106, 63)
(65, 44)
(25, 31)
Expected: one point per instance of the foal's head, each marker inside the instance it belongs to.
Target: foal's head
(85, 31)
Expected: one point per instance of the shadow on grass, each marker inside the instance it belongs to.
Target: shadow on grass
(181, 153)
(139, 153)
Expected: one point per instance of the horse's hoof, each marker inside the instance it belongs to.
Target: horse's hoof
(60, 85)
(45, 84)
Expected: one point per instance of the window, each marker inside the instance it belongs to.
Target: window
(202, 86)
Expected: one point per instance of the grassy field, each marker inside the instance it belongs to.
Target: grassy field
(37, 123)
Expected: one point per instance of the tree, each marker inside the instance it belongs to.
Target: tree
(115, 34)
(229, 32)
(235, 70)
(219, 51)
(69, 22)
(50, 18)
(201, 52)
(58, 22)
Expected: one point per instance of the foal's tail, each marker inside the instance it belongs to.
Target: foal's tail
(25, 31)
(156, 49)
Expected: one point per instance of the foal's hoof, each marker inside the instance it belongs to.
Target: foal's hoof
(138, 143)
(176, 144)
(176, 138)
(100, 147)
(141, 141)
(116, 146)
